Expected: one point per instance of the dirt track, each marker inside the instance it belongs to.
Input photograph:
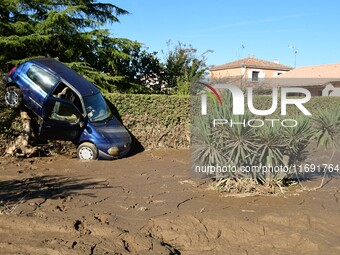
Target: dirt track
(147, 204)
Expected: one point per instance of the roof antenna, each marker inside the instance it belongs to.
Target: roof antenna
(295, 52)
(240, 50)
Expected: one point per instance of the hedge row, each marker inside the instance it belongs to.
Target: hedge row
(315, 105)
(160, 121)
(157, 121)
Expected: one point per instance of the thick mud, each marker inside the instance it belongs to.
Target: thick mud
(149, 204)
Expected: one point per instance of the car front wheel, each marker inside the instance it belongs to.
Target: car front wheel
(87, 151)
(13, 97)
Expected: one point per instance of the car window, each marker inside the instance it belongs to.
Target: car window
(97, 108)
(63, 91)
(64, 112)
(42, 78)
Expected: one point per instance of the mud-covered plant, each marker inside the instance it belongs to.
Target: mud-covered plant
(269, 152)
(269, 146)
(236, 141)
(205, 150)
(242, 145)
(327, 127)
(297, 140)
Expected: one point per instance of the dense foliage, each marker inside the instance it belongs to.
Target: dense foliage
(72, 31)
(182, 66)
(168, 110)
(156, 121)
(272, 145)
(69, 30)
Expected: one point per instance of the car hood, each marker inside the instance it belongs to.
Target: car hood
(111, 130)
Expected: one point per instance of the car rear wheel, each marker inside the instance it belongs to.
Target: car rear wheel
(13, 97)
(87, 151)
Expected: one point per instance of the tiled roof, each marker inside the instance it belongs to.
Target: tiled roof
(309, 76)
(321, 71)
(253, 63)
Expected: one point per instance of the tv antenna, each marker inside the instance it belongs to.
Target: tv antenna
(242, 47)
(295, 52)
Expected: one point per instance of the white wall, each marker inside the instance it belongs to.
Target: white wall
(330, 90)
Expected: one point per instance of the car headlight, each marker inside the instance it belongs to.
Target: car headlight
(113, 151)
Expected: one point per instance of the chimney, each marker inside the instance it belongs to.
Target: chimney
(276, 61)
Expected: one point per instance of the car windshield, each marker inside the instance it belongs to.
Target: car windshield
(97, 108)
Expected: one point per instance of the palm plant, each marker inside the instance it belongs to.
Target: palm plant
(205, 151)
(297, 140)
(241, 145)
(327, 126)
(269, 152)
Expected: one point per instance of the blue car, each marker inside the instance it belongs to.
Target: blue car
(69, 108)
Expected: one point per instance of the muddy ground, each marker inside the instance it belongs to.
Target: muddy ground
(149, 204)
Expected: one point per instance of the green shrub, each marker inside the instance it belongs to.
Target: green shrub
(315, 105)
(155, 120)
(245, 147)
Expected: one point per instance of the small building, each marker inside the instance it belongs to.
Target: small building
(249, 69)
(320, 80)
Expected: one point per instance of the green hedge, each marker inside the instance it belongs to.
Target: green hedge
(315, 105)
(157, 121)
(168, 110)
(161, 121)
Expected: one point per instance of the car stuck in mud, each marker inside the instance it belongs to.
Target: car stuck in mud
(68, 107)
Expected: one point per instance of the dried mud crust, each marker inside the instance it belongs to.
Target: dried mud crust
(149, 204)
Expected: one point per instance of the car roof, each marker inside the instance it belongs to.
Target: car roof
(84, 87)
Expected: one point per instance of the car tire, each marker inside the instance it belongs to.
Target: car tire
(13, 97)
(87, 151)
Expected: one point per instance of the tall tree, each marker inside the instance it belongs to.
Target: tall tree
(70, 30)
(182, 65)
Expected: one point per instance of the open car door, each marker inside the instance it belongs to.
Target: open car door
(61, 120)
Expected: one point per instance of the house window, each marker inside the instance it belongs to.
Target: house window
(255, 76)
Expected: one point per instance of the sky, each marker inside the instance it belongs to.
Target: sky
(237, 29)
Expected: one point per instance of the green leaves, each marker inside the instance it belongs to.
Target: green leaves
(327, 126)
(206, 149)
(241, 145)
(181, 65)
(67, 30)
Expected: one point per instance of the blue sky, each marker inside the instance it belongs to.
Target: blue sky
(265, 28)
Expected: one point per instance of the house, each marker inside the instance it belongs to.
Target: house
(320, 80)
(248, 69)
